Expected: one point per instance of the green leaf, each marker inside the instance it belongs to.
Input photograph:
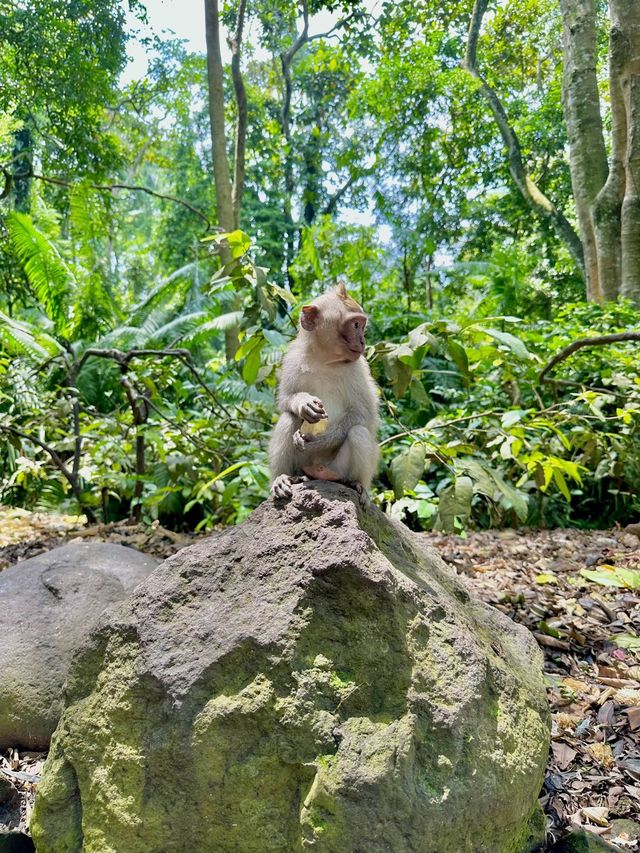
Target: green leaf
(546, 578)
(627, 641)
(418, 394)
(252, 364)
(399, 375)
(239, 243)
(459, 357)
(48, 273)
(223, 322)
(407, 468)
(561, 483)
(275, 338)
(22, 337)
(282, 293)
(516, 346)
(512, 417)
(513, 499)
(613, 576)
(455, 505)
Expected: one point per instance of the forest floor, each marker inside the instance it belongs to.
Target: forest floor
(587, 627)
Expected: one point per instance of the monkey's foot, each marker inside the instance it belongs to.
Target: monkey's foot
(281, 487)
(363, 495)
(301, 440)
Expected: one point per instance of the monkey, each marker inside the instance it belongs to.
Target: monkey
(324, 375)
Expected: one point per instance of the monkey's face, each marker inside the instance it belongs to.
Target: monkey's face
(351, 330)
(336, 325)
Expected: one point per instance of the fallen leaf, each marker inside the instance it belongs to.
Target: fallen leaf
(596, 814)
(607, 713)
(563, 754)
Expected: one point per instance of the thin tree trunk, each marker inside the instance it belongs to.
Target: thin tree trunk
(235, 43)
(587, 153)
(531, 193)
(625, 23)
(607, 207)
(224, 204)
(286, 60)
(22, 157)
(228, 195)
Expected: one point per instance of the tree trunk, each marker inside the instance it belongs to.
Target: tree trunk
(607, 207)
(235, 44)
(625, 28)
(224, 204)
(587, 154)
(286, 60)
(22, 159)
(228, 195)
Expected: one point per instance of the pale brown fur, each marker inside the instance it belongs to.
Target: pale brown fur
(324, 374)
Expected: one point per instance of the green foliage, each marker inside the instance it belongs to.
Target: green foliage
(468, 294)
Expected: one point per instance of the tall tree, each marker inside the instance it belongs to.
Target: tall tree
(606, 193)
(228, 191)
(532, 194)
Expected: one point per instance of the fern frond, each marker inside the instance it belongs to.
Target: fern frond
(22, 338)
(178, 327)
(47, 271)
(176, 284)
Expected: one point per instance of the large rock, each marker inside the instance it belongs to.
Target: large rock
(314, 678)
(49, 605)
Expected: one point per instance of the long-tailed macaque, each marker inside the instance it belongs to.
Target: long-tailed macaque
(324, 376)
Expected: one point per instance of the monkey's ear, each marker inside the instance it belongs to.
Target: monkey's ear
(309, 317)
(341, 290)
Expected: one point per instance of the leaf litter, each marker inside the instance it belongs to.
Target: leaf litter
(578, 592)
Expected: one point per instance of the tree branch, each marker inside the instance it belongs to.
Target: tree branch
(600, 340)
(60, 182)
(57, 461)
(531, 193)
(331, 205)
(8, 182)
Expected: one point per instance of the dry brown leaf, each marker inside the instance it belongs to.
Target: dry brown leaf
(563, 754)
(596, 814)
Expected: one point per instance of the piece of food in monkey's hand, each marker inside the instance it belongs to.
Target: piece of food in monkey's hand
(314, 429)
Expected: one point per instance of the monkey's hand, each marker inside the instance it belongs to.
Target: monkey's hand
(301, 441)
(312, 410)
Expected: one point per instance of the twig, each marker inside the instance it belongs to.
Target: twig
(61, 182)
(439, 426)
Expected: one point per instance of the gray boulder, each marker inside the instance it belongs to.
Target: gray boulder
(313, 678)
(48, 605)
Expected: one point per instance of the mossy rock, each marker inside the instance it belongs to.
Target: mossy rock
(313, 678)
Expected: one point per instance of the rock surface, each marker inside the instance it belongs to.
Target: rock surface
(314, 678)
(50, 604)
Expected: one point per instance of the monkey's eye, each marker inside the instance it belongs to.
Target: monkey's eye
(356, 324)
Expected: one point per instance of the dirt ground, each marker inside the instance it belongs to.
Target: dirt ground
(577, 591)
